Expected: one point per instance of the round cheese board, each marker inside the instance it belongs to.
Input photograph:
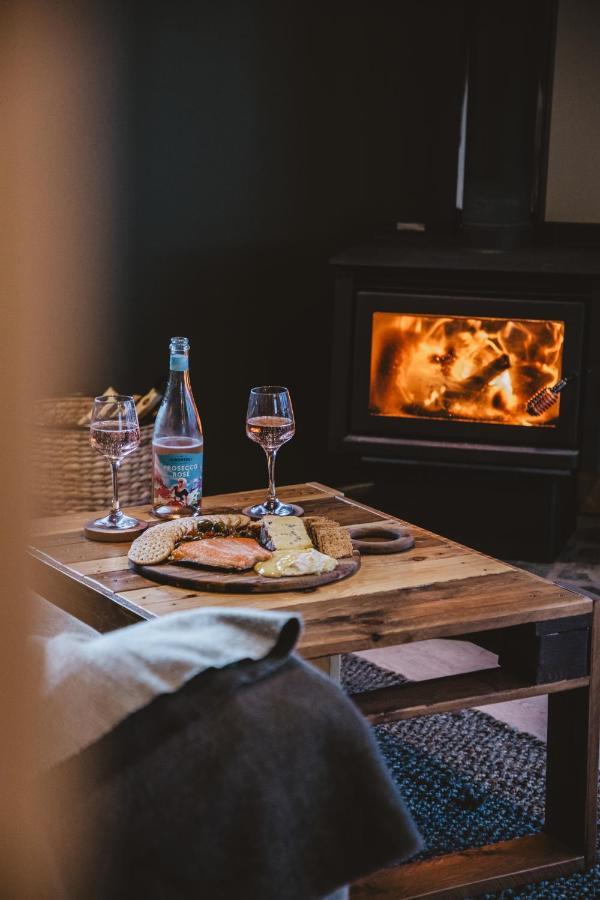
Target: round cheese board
(199, 578)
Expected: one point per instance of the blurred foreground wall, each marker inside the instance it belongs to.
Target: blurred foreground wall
(56, 231)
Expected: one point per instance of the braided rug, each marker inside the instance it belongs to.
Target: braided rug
(468, 780)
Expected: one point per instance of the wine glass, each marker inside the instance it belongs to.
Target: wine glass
(270, 423)
(114, 433)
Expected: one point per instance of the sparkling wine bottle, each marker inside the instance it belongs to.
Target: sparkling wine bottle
(177, 443)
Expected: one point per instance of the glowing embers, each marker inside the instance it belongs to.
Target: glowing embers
(466, 369)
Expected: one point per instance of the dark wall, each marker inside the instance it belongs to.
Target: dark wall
(262, 137)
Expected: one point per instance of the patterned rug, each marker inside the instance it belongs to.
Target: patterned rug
(578, 565)
(468, 780)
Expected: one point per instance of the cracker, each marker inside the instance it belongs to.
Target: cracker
(181, 527)
(152, 547)
(314, 520)
(334, 542)
(229, 520)
(329, 537)
(157, 543)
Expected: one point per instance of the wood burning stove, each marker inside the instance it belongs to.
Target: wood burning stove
(438, 349)
(472, 364)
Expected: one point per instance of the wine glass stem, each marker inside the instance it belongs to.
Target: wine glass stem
(115, 508)
(272, 498)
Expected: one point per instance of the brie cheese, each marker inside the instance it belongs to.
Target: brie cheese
(284, 563)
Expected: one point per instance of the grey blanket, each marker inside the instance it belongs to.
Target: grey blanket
(93, 681)
(258, 781)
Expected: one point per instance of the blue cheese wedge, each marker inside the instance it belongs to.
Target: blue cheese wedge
(284, 563)
(284, 533)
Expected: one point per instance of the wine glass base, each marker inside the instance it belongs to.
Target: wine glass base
(280, 509)
(118, 520)
(103, 529)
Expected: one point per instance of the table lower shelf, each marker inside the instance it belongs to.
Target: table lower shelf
(451, 693)
(494, 867)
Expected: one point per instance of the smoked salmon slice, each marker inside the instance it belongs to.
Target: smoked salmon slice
(222, 552)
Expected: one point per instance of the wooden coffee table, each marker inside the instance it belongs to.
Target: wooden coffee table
(547, 638)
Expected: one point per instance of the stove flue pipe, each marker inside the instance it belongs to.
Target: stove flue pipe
(509, 46)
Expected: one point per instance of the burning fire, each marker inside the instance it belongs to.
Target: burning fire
(467, 369)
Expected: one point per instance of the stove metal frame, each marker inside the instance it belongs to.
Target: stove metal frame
(353, 429)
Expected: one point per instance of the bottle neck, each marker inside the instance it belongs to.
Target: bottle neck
(179, 371)
(179, 380)
(178, 414)
(179, 361)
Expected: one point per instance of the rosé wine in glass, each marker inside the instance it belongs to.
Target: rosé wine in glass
(115, 433)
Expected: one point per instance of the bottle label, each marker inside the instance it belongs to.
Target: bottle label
(178, 479)
(179, 362)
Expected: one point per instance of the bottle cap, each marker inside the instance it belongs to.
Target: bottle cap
(179, 345)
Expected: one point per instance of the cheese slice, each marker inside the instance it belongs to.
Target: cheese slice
(284, 533)
(295, 562)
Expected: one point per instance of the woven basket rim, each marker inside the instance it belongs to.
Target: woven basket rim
(81, 478)
(81, 428)
(68, 398)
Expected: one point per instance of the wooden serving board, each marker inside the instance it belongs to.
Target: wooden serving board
(201, 579)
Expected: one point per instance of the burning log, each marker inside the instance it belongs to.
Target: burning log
(475, 384)
(463, 368)
(444, 361)
(385, 371)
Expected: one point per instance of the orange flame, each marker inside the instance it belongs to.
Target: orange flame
(467, 369)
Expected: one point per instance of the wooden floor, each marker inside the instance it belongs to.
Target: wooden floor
(437, 658)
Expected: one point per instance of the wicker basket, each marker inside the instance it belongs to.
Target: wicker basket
(71, 477)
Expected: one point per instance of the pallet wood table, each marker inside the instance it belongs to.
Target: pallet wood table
(548, 640)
